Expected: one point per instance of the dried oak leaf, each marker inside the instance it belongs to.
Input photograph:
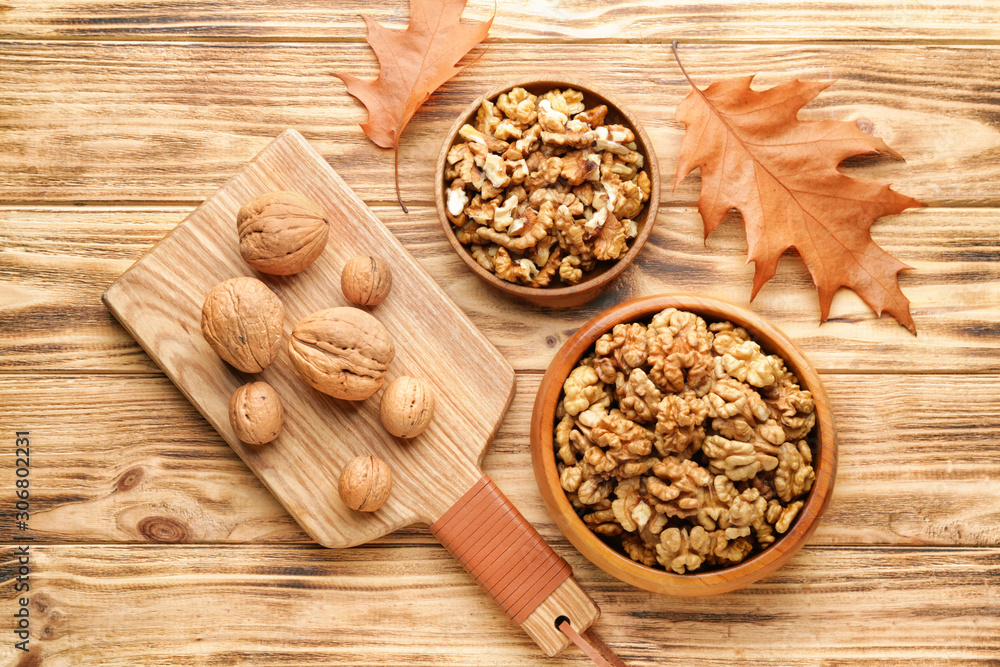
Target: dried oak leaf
(413, 63)
(781, 174)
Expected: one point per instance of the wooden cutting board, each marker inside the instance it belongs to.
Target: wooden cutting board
(159, 301)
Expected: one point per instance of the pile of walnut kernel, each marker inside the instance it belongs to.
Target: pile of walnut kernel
(685, 442)
(540, 189)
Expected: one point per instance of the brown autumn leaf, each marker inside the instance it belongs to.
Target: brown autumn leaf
(413, 63)
(781, 174)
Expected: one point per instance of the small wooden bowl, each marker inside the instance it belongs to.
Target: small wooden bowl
(822, 438)
(571, 295)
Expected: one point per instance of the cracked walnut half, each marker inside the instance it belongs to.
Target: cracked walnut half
(541, 189)
(683, 443)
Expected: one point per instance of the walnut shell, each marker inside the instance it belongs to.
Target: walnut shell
(255, 413)
(366, 280)
(343, 352)
(365, 483)
(407, 406)
(281, 233)
(241, 320)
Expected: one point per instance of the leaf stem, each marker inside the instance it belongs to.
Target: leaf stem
(673, 47)
(399, 197)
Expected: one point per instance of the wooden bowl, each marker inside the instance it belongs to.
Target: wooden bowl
(822, 439)
(571, 295)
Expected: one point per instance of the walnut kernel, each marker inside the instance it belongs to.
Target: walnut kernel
(680, 441)
(511, 187)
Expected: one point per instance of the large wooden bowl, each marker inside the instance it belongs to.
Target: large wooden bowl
(822, 439)
(599, 279)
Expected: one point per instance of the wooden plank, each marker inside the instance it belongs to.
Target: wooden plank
(58, 260)
(127, 458)
(173, 121)
(302, 605)
(617, 20)
(123, 459)
(52, 318)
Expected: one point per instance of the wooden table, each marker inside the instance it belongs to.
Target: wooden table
(152, 544)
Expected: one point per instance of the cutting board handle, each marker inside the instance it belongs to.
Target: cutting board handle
(511, 562)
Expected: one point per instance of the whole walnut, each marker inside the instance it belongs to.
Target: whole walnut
(343, 352)
(366, 280)
(255, 413)
(241, 320)
(281, 233)
(365, 483)
(407, 406)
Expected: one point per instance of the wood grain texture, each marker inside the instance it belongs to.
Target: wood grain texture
(569, 601)
(93, 248)
(118, 606)
(56, 261)
(173, 121)
(144, 108)
(159, 301)
(128, 459)
(522, 20)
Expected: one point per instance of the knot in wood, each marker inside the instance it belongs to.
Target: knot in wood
(41, 602)
(163, 529)
(130, 479)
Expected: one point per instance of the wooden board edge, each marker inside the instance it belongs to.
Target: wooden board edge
(110, 300)
(104, 296)
(316, 538)
(109, 303)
